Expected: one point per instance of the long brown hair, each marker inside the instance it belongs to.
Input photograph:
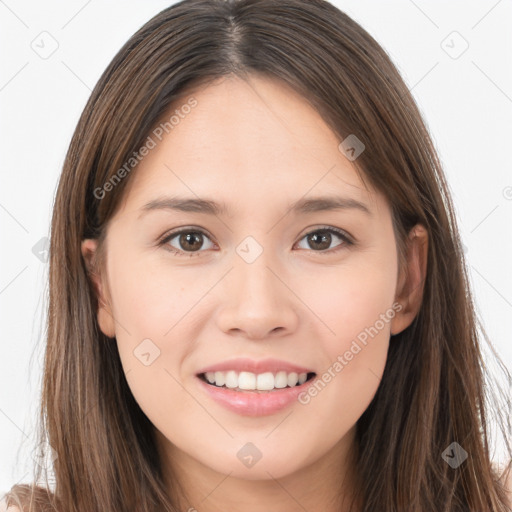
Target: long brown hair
(433, 390)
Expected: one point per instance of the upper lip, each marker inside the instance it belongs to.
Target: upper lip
(255, 366)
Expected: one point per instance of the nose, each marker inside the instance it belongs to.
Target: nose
(259, 302)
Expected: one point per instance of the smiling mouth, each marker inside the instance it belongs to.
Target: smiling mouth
(252, 383)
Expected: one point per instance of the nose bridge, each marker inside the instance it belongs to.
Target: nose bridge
(254, 278)
(258, 300)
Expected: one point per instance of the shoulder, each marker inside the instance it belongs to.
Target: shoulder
(20, 496)
(6, 503)
(505, 473)
(508, 486)
(10, 508)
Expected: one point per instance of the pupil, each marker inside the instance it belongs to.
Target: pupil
(190, 238)
(325, 237)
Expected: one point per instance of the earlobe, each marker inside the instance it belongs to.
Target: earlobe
(411, 281)
(105, 319)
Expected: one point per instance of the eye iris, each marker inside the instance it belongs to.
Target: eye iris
(315, 236)
(191, 237)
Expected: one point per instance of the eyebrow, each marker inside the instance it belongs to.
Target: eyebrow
(210, 207)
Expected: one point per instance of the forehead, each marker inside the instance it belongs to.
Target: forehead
(257, 139)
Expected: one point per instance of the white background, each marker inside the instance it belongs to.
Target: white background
(467, 104)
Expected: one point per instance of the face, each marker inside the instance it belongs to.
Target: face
(258, 290)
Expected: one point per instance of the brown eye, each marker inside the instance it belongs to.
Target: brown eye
(320, 240)
(185, 241)
(190, 241)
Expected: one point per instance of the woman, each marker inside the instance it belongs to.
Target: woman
(260, 370)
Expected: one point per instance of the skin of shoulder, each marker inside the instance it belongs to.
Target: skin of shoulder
(508, 485)
(10, 508)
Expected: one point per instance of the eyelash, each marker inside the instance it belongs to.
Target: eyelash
(329, 229)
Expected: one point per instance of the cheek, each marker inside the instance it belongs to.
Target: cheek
(150, 305)
(350, 300)
(149, 298)
(357, 308)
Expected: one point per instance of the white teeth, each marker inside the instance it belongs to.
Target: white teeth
(219, 378)
(293, 378)
(250, 381)
(281, 380)
(231, 380)
(247, 380)
(265, 381)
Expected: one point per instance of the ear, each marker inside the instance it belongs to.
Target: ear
(411, 280)
(105, 318)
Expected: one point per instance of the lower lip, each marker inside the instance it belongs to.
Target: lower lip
(250, 403)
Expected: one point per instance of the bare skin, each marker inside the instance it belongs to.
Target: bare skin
(257, 147)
